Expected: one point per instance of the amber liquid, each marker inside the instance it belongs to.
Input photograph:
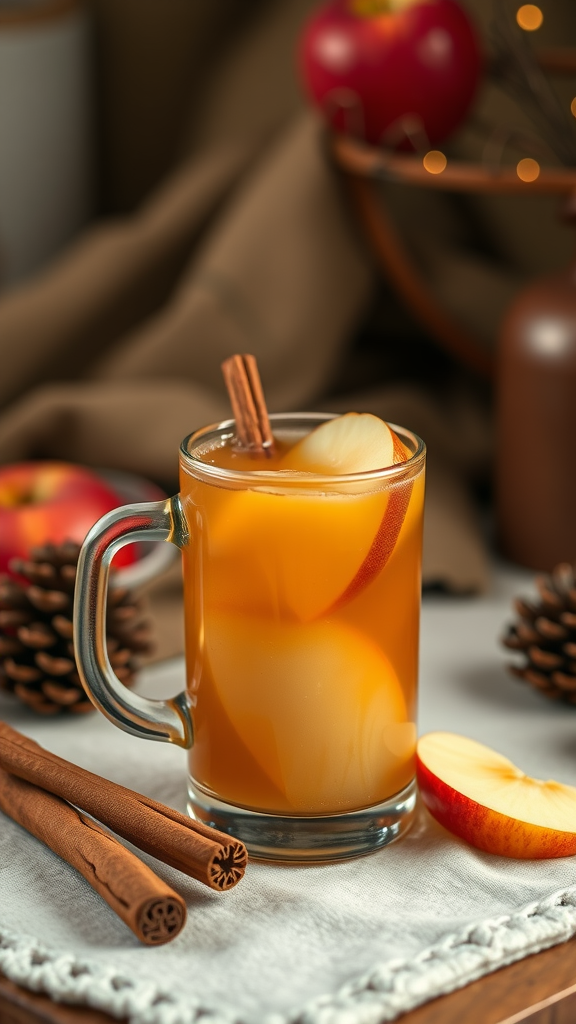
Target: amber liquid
(302, 614)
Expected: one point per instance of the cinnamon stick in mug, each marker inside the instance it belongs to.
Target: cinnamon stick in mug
(210, 856)
(246, 395)
(155, 913)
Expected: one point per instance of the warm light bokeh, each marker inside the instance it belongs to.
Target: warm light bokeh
(573, 106)
(528, 169)
(435, 162)
(529, 17)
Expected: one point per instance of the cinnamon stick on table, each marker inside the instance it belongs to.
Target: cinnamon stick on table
(206, 854)
(154, 912)
(248, 404)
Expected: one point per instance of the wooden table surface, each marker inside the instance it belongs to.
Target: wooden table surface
(540, 990)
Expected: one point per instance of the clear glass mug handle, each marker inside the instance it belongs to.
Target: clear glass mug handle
(167, 720)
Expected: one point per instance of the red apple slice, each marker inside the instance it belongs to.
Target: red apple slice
(306, 552)
(318, 706)
(387, 534)
(353, 443)
(359, 443)
(482, 797)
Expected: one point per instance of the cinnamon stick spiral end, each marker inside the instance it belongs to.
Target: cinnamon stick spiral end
(160, 920)
(228, 866)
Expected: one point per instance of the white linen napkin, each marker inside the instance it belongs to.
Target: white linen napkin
(351, 943)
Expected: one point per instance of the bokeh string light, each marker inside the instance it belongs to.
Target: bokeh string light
(528, 169)
(529, 17)
(435, 162)
(516, 69)
(573, 106)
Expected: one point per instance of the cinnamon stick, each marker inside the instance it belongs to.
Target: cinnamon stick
(154, 912)
(244, 386)
(210, 856)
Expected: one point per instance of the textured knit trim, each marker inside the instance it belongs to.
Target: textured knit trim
(385, 992)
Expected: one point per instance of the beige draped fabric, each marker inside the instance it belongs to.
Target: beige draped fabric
(246, 242)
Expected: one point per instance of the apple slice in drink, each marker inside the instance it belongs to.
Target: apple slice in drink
(352, 443)
(318, 706)
(482, 797)
(305, 552)
(359, 443)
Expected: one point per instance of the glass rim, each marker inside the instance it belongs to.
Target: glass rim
(259, 477)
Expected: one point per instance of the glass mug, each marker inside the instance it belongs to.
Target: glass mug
(302, 602)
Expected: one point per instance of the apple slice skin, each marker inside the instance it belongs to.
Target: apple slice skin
(487, 829)
(299, 585)
(388, 532)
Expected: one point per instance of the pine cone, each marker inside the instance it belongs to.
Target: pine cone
(546, 635)
(36, 650)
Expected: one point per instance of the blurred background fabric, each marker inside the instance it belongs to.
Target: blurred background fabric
(222, 226)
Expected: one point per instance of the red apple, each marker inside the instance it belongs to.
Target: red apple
(482, 797)
(378, 67)
(42, 502)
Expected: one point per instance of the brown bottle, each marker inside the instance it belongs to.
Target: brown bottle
(536, 420)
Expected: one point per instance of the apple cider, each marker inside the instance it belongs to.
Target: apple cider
(302, 591)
